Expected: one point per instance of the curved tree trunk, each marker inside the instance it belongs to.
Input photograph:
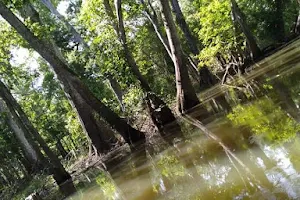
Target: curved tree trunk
(186, 96)
(238, 16)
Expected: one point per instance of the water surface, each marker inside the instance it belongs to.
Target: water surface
(251, 151)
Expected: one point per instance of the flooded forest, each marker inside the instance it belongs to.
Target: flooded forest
(149, 99)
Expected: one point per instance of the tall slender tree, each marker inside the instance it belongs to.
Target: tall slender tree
(180, 20)
(186, 96)
(238, 16)
(160, 113)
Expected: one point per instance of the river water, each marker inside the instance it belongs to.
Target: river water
(251, 151)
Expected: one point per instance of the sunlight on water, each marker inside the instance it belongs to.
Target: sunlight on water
(251, 152)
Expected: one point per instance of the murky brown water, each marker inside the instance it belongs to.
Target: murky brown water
(251, 152)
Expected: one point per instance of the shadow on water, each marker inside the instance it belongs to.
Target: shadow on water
(248, 150)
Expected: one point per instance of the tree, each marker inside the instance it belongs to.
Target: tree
(186, 96)
(76, 36)
(238, 16)
(180, 19)
(297, 26)
(60, 175)
(29, 148)
(78, 39)
(85, 103)
(158, 110)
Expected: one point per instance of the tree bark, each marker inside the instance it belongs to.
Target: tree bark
(297, 25)
(116, 88)
(61, 148)
(186, 96)
(84, 102)
(180, 19)
(238, 16)
(30, 150)
(60, 175)
(160, 113)
(76, 36)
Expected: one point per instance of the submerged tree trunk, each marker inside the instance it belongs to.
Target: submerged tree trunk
(180, 19)
(61, 176)
(186, 96)
(238, 16)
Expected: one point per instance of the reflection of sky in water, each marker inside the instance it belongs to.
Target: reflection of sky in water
(215, 174)
(288, 180)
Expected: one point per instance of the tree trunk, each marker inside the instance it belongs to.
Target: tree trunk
(27, 165)
(88, 107)
(186, 96)
(286, 101)
(238, 16)
(154, 21)
(28, 10)
(128, 55)
(100, 133)
(279, 22)
(158, 110)
(59, 173)
(116, 88)
(76, 36)
(30, 149)
(197, 75)
(61, 148)
(297, 25)
(184, 27)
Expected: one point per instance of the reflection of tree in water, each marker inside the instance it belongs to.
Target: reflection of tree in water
(265, 120)
(108, 187)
